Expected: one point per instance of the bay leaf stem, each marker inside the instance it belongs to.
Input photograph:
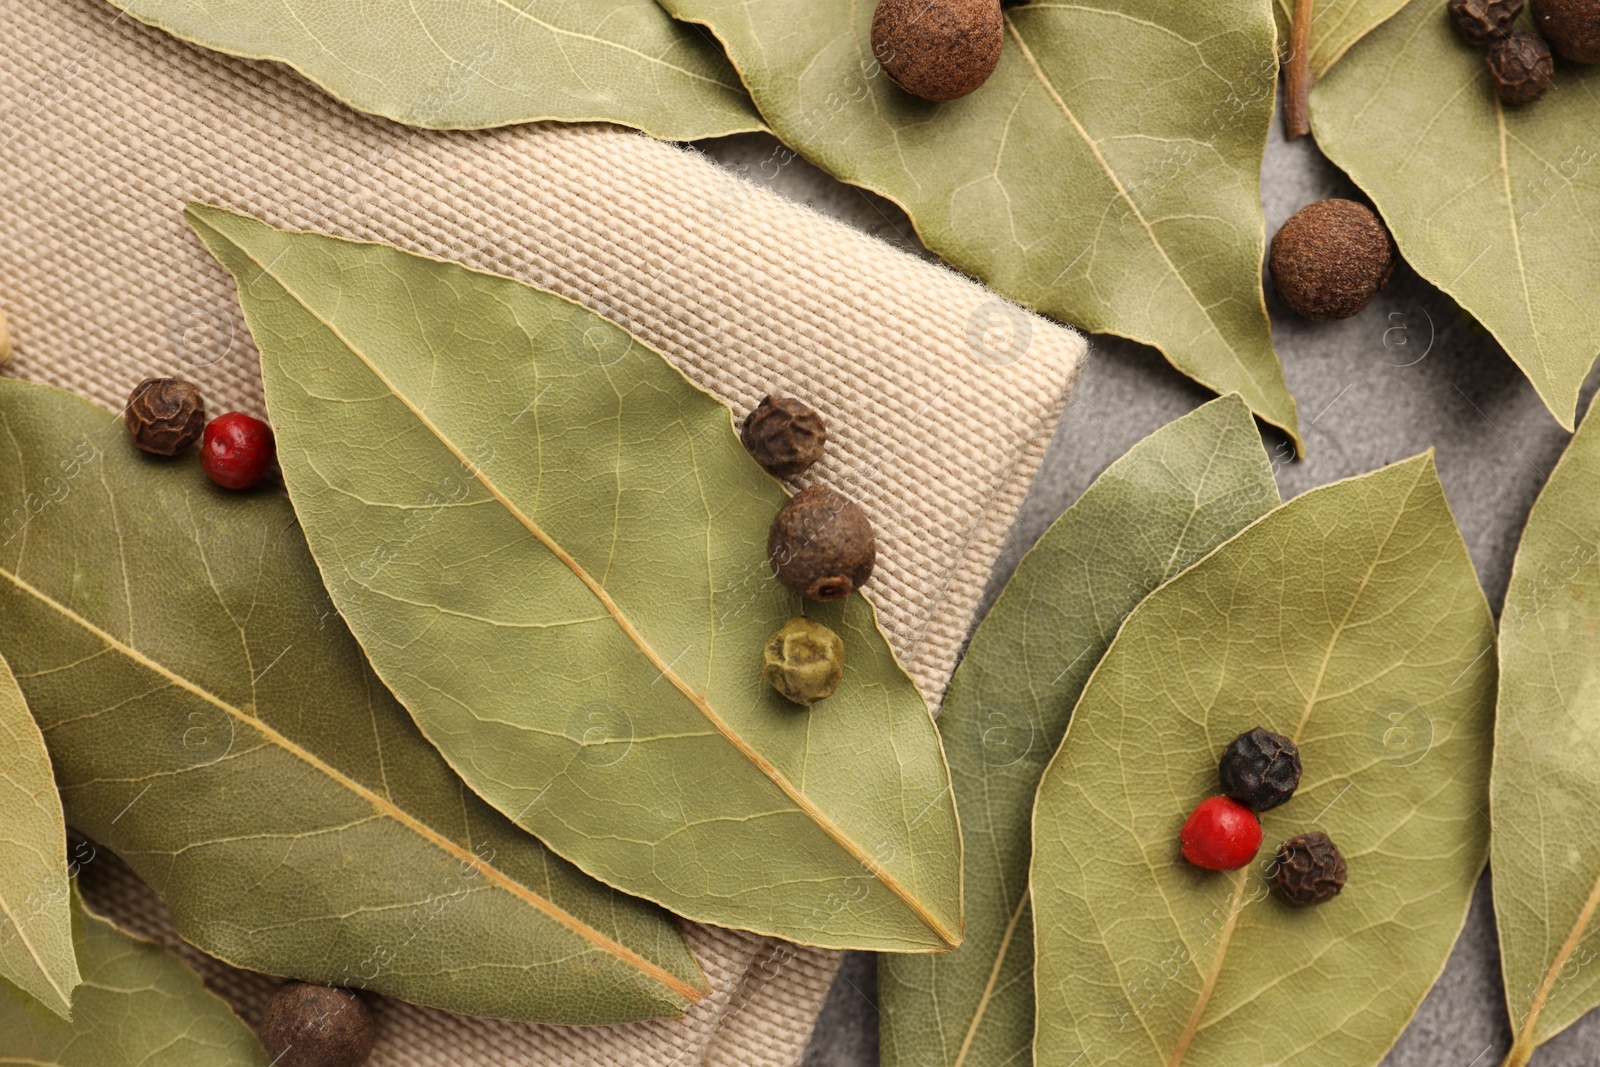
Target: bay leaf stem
(1297, 81)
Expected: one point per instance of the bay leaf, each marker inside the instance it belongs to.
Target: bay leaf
(1350, 620)
(35, 921)
(1498, 206)
(553, 548)
(1338, 24)
(1175, 496)
(213, 723)
(1546, 783)
(470, 64)
(138, 1005)
(1107, 174)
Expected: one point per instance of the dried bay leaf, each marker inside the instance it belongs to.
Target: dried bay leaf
(1351, 620)
(553, 548)
(35, 918)
(1107, 174)
(1498, 206)
(1546, 785)
(469, 64)
(137, 1005)
(213, 723)
(1175, 496)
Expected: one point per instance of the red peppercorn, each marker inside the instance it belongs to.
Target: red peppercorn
(237, 450)
(1221, 835)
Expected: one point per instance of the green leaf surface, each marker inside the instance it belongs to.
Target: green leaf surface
(1546, 785)
(553, 547)
(468, 64)
(1498, 206)
(1107, 174)
(138, 1005)
(1175, 496)
(213, 723)
(1349, 619)
(1338, 24)
(35, 920)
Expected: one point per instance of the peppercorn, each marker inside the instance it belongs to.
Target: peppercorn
(1330, 259)
(938, 49)
(1521, 66)
(317, 1026)
(1571, 26)
(165, 415)
(1310, 869)
(1260, 768)
(821, 544)
(804, 661)
(785, 436)
(238, 450)
(1482, 21)
(1220, 835)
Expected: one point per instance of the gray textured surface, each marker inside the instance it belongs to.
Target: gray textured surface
(1409, 373)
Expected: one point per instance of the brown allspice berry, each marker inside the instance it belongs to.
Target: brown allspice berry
(165, 415)
(821, 544)
(317, 1026)
(803, 661)
(1571, 26)
(785, 436)
(1521, 67)
(1482, 22)
(938, 49)
(1330, 259)
(1309, 869)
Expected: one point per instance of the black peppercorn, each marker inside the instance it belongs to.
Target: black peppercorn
(1571, 26)
(317, 1026)
(1310, 869)
(938, 49)
(821, 544)
(785, 436)
(165, 415)
(1260, 768)
(1330, 259)
(1482, 21)
(1521, 66)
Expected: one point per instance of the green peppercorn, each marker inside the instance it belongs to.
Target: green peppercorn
(1310, 869)
(804, 661)
(317, 1026)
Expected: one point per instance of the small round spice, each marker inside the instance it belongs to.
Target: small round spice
(1260, 768)
(1330, 259)
(785, 436)
(317, 1026)
(1571, 26)
(1481, 22)
(165, 415)
(938, 49)
(238, 451)
(1521, 66)
(804, 661)
(821, 544)
(1221, 835)
(1310, 869)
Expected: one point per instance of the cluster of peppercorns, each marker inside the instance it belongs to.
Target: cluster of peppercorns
(166, 416)
(1521, 63)
(938, 49)
(821, 545)
(1330, 259)
(317, 1026)
(1259, 771)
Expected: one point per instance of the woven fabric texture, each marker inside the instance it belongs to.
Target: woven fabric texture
(940, 398)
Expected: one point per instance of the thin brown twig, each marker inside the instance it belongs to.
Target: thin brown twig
(1297, 82)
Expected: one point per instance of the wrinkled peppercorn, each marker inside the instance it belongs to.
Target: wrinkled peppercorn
(1330, 259)
(317, 1026)
(821, 545)
(1482, 21)
(1521, 66)
(1260, 768)
(1571, 26)
(804, 661)
(938, 49)
(1310, 869)
(785, 436)
(165, 415)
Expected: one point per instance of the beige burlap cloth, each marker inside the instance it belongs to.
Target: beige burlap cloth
(940, 399)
